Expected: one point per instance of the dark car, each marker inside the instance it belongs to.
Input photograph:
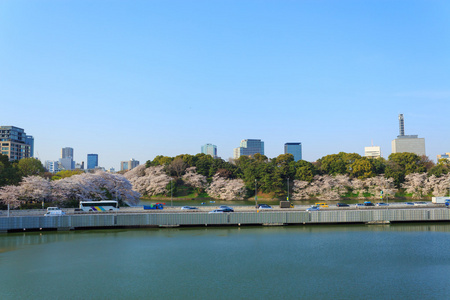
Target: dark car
(368, 203)
(342, 205)
(264, 206)
(225, 208)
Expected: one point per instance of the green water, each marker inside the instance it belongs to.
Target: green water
(294, 262)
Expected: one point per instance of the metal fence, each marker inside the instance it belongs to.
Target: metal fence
(204, 219)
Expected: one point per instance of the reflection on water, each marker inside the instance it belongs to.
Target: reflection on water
(407, 261)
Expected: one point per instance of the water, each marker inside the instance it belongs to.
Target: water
(294, 262)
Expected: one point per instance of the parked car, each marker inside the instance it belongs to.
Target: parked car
(420, 203)
(342, 205)
(226, 208)
(264, 206)
(188, 207)
(368, 203)
(382, 204)
(313, 208)
(358, 205)
(409, 203)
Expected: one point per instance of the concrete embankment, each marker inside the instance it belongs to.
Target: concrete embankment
(167, 218)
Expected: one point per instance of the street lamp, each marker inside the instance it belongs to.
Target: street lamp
(171, 193)
(256, 197)
(288, 189)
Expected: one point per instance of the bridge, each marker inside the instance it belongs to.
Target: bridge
(175, 219)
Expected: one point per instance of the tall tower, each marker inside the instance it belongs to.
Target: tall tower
(67, 152)
(401, 125)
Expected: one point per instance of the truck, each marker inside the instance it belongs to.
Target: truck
(154, 206)
(440, 200)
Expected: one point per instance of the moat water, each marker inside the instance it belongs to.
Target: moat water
(408, 261)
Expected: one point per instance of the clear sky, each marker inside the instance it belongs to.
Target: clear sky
(136, 79)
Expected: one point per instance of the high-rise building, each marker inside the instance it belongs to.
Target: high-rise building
(67, 152)
(66, 161)
(372, 152)
(92, 161)
(294, 149)
(249, 147)
(210, 149)
(407, 143)
(15, 143)
(128, 165)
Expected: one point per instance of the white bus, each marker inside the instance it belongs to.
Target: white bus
(104, 205)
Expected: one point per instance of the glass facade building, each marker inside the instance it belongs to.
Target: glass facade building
(15, 143)
(210, 149)
(294, 149)
(128, 165)
(249, 147)
(92, 161)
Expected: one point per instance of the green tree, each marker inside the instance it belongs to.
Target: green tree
(338, 163)
(305, 171)
(9, 175)
(401, 164)
(362, 168)
(30, 166)
(66, 173)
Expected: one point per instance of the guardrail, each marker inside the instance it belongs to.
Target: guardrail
(120, 220)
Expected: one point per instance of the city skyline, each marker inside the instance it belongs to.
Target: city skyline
(170, 76)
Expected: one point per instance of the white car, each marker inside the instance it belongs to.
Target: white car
(188, 208)
(54, 211)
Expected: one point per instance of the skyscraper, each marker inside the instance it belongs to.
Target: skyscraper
(15, 143)
(407, 143)
(67, 152)
(249, 147)
(294, 149)
(210, 149)
(66, 160)
(92, 161)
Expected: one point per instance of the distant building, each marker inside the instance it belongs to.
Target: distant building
(210, 149)
(407, 143)
(92, 161)
(67, 152)
(15, 143)
(294, 149)
(372, 151)
(128, 165)
(249, 147)
(66, 161)
(443, 156)
(52, 166)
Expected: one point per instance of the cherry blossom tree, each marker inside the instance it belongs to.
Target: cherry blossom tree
(149, 181)
(192, 178)
(226, 189)
(10, 195)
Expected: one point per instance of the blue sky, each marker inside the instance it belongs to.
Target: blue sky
(135, 79)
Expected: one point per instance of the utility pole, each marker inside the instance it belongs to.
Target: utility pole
(256, 197)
